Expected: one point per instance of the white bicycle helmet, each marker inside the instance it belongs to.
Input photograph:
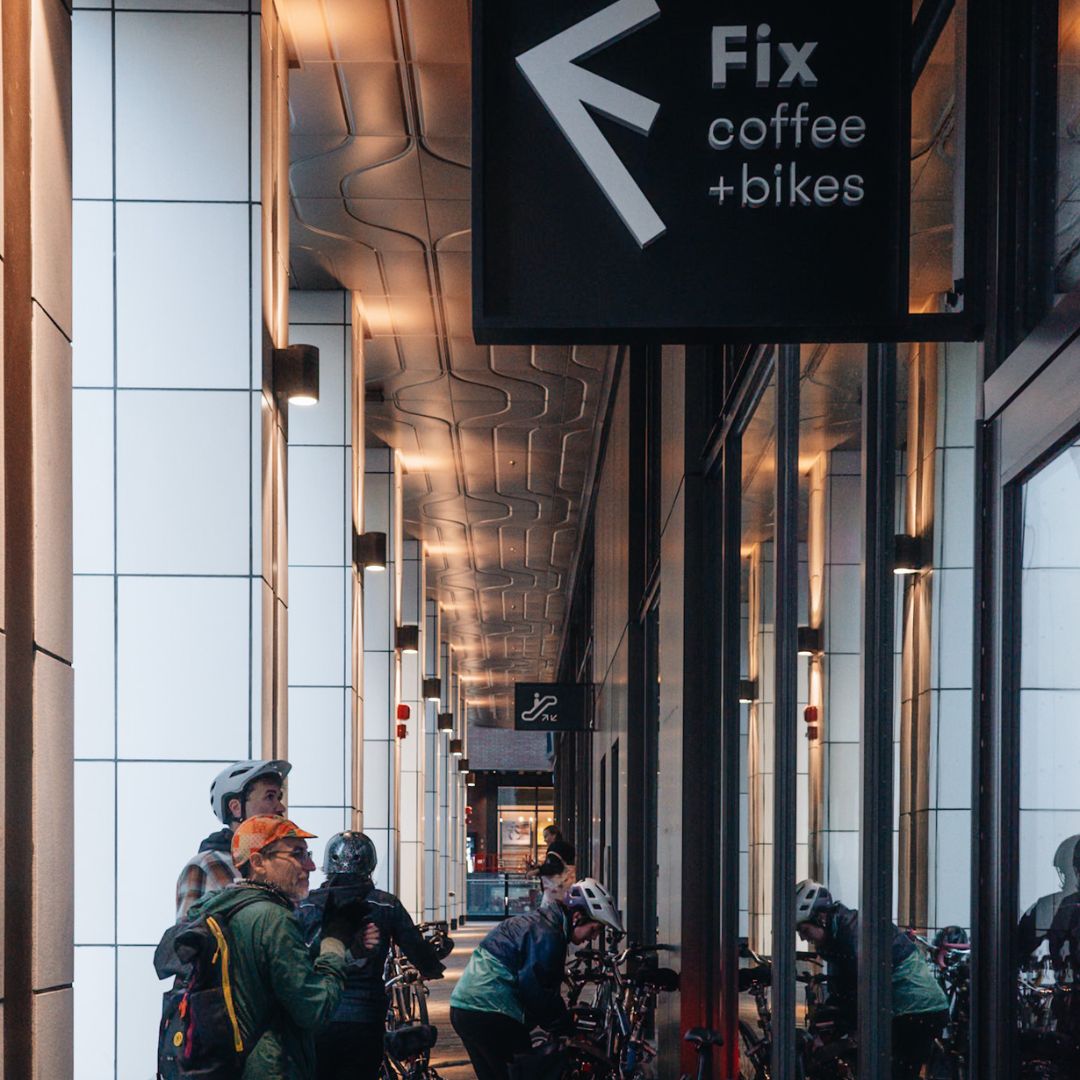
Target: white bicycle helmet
(231, 781)
(810, 898)
(594, 901)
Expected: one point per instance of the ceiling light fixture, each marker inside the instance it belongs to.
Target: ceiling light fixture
(369, 551)
(433, 688)
(408, 638)
(296, 374)
(810, 643)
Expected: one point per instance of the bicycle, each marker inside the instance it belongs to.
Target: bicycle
(409, 1037)
(702, 1039)
(616, 1020)
(825, 1051)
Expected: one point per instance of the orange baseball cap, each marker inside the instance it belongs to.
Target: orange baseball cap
(261, 831)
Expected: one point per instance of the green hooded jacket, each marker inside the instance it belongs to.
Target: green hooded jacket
(277, 988)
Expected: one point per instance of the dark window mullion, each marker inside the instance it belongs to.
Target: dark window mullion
(876, 734)
(786, 570)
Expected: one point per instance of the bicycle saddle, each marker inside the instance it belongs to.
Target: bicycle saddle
(703, 1036)
(661, 978)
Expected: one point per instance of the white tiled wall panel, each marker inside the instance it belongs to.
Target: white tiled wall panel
(92, 274)
(183, 281)
(183, 470)
(183, 674)
(182, 106)
(92, 481)
(91, 76)
(95, 651)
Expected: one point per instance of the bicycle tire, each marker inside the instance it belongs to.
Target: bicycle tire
(751, 1047)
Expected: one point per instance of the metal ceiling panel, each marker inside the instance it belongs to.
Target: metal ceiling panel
(497, 443)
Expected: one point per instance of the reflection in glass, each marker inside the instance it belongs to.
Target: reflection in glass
(934, 146)
(1048, 888)
(1067, 246)
(757, 735)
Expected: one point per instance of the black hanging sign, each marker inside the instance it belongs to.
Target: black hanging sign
(550, 706)
(682, 170)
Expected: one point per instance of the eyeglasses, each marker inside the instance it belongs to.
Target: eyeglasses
(300, 854)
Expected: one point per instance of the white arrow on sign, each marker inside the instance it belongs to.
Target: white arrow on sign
(565, 89)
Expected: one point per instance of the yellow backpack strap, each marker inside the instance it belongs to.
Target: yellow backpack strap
(222, 954)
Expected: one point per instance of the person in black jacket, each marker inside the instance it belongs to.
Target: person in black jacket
(351, 1048)
(557, 872)
(511, 983)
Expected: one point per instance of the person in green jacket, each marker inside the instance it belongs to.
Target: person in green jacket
(282, 996)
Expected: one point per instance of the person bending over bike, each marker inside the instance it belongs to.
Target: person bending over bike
(511, 983)
(920, 1008)
(351, 1047)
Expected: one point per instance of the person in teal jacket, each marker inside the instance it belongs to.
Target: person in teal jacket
(919, 1005)
(512, 981)
(281, 995)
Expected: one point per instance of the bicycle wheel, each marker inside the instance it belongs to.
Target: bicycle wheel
(753, 1054)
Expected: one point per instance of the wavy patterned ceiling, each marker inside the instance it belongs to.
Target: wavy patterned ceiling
(498, 442)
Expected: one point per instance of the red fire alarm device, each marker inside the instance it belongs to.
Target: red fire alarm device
(403, 712)
(402, 730)
(810, 715)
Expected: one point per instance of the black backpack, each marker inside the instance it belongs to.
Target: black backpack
(200, 1032)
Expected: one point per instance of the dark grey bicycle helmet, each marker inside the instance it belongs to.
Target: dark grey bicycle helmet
(951, 935)
(350, 853)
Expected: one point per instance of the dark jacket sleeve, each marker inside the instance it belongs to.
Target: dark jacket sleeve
(308, 991)
(413, 944)
(540, 975)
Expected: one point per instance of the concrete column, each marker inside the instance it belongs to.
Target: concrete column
(323, 638)
(445, 762)
(935, 794)
(432, 759)
(382, 502)
(180, 271)
(411, 748)
(760, 743)
(36, 907)
(837, 843)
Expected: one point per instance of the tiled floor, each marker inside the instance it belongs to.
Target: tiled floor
(449, 1056)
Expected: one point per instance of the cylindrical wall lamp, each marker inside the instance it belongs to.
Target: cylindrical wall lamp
(810, 641)
(457, 747)
(296, 374)
(445, 721)
(408, 638)
(433, 688)
(463, 765)
(470, 779)
(747, 691)
(909, 554)
(369, 551)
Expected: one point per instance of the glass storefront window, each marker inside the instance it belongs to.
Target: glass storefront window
(1049, 835)
(1067, 232)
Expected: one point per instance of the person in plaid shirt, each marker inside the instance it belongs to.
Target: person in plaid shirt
(245, 789)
